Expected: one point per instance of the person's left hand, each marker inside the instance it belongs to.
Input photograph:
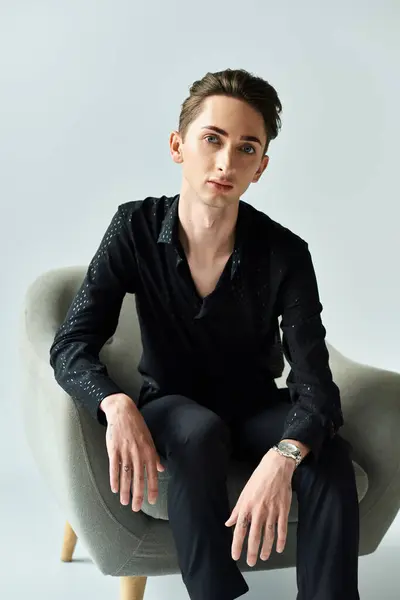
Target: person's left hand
(264, 502)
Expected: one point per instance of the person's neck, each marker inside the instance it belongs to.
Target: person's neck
(207, 233)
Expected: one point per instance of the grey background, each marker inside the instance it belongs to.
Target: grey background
(89, 93)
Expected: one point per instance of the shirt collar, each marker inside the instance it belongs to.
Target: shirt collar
(169, 233)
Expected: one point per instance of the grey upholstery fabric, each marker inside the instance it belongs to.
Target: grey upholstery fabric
(69, 446)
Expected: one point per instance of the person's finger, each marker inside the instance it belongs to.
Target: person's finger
(125, 479)
(114, 472)
(152, 479)
(269, 536)
(138, 481)
(282, 531)
(157, 458)
(233, 518)
(160, 467)
(254, 539)
(239, 534)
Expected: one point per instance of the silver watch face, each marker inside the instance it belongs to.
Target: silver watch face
(288, 447)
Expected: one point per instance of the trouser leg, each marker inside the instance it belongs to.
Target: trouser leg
(328, 527)
(328, 518)
(195, 444)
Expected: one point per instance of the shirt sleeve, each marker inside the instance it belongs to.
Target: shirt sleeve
(316, 412)
(93, 318)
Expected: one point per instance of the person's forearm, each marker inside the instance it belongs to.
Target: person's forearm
(79, 371)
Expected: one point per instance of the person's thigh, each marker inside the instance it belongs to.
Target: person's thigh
(254, 435)
(177, 422)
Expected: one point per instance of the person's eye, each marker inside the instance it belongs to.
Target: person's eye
(210, 136)
(245, 146)
(249, 146)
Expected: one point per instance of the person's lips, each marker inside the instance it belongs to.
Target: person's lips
(221, 182)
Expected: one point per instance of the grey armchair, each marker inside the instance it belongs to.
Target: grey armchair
(70, 451)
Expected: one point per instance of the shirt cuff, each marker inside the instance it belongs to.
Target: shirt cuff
(309, 431)
(106, 388)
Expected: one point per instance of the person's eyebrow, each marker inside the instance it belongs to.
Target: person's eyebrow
(247, 138)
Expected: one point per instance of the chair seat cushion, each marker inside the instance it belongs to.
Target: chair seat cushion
(238, 475)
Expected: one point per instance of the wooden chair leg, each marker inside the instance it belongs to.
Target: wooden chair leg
(132, 588)
(69, 543)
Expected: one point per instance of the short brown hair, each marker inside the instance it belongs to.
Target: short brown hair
(236, 83)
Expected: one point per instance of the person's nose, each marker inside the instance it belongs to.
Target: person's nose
(225, 161)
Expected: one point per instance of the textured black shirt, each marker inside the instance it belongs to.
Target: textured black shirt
(223, 351)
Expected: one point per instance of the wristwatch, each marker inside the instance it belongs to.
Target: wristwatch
(289, 450)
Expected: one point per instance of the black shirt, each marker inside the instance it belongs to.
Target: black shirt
(223, 351)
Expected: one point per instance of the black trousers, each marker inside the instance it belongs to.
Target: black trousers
(196, 443)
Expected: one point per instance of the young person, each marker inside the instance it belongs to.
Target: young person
(212, 276)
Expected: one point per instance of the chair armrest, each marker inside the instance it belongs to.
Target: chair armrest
(68, 445)
(371, 408)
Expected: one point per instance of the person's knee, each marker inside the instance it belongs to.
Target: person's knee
(206, 435)
(334, 469)
(339, 454)
(338, 469)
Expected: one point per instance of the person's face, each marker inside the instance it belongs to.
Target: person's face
(207, 154)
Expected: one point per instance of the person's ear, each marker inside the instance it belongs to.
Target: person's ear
(175, 146)
(261, 168)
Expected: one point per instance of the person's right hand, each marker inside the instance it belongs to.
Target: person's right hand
(130, 449)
